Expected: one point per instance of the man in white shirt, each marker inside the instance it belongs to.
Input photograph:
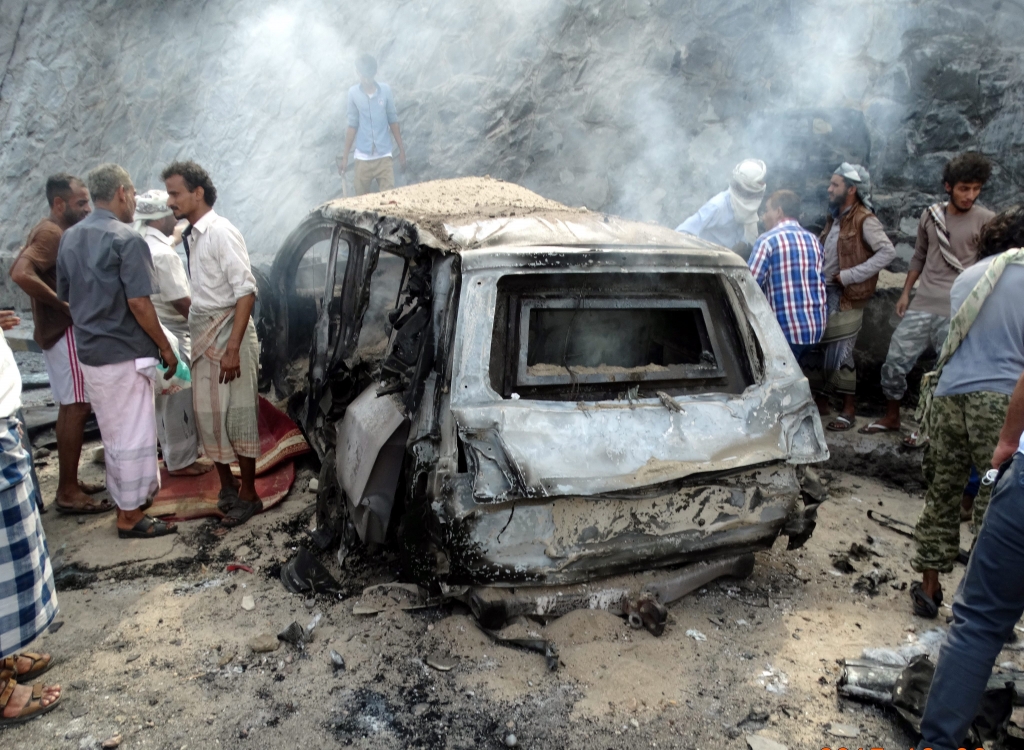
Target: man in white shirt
(225, 351)
(175, 417)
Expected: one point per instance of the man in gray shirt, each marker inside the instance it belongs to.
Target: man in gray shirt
(969, 406)
(105, 274)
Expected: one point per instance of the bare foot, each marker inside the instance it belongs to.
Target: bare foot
(23, 694)
(24, 664)
(196, 468)
(91, 488)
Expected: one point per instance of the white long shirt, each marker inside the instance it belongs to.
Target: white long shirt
(172, 280)
(715, 222)
(218, 264)
(10, 380)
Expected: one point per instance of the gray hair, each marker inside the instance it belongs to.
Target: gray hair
(105, 179)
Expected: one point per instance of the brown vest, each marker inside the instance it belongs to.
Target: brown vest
(853, 251)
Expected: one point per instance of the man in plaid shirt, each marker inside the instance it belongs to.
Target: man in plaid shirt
(786, 263)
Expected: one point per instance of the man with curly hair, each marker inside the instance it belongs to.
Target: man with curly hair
(947, 243)
(225, 351)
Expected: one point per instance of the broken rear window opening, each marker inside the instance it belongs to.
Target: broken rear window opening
(569, 336)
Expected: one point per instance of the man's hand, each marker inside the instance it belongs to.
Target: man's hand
(170, 362)
(838, 281)
(902, 304)
(230, 364)
(1004, 450)
(342, 165)
(8, 319)
(401, 157)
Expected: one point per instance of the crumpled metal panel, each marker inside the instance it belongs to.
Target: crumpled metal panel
(367, 471)
(577, 538)
(566, 448)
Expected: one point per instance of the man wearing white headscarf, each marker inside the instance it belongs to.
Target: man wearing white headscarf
(730, 218)
(175, 417)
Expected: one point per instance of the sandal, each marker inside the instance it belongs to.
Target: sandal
(841, 423)
(226, 500)
(241, 512)
(877, 428)
(924, 605)
(97, 505)
(40, 664)
(148, 528)
(32, 709)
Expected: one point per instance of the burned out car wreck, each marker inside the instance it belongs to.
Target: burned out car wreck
(521, 394)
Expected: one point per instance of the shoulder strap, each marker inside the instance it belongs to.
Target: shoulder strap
(938, 213)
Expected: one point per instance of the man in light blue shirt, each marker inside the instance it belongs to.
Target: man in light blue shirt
(372, 121)
(730, 218)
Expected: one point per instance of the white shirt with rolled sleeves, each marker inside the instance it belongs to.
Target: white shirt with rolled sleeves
(219, 266)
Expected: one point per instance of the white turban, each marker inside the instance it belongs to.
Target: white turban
(151, 205)
(746, 191)
(856, 174)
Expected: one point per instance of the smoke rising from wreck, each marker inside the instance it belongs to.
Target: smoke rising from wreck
(637, 107)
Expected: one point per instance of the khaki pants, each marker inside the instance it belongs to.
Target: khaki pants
(382, 170)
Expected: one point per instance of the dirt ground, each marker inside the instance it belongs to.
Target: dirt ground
(155, 647)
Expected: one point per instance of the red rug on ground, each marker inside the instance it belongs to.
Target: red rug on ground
(186, 498)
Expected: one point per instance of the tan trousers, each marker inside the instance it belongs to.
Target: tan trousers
(381, 170)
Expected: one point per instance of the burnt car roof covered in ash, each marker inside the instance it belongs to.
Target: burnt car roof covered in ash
(475, 213)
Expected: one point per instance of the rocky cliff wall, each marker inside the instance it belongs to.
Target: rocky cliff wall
(638, 107)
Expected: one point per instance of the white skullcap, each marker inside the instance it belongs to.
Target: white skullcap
(151, 205)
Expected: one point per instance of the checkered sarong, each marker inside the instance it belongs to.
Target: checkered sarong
(27, 600)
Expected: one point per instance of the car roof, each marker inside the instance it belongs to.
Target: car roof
(469, 214)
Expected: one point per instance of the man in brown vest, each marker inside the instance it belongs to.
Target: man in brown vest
(855, 250)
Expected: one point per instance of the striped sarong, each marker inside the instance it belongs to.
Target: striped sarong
(28, 602)
(829, 366)
(122, 399)
(226, 413)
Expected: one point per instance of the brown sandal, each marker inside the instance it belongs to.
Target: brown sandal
(32, 709)
(40, 664)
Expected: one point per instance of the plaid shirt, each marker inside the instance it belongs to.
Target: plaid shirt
(786, 263)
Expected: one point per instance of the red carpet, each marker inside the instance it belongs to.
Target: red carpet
(186, 498)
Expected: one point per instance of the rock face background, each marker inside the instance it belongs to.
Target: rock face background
(637, 107)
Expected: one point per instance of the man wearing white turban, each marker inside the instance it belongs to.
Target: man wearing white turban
(730, 218)
(175, 416)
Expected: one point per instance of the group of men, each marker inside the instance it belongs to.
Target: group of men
(110, 302)
(115, 310)
(969, 275)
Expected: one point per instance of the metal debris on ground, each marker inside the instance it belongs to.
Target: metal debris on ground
(233, 566)
(870, 582)
(539, 645)
(296, 635)
(304, 573)
(696, 635)
(337, 661)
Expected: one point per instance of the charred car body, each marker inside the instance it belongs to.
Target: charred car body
(520, 392)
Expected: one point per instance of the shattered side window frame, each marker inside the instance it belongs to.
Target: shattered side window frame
(670, 373)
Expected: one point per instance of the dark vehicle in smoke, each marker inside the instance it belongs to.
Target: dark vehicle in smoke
(518, 392)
